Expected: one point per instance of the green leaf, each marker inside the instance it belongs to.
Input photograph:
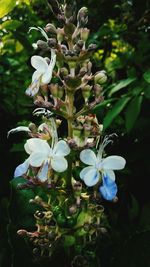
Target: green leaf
(6, 7)
(120, 85)
(10, 25)
(146, 76)
(133, 111)
(147, 92)
(112, 113)
(21, 211)
(69, 240)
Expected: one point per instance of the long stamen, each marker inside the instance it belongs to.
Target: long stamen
(40, 30)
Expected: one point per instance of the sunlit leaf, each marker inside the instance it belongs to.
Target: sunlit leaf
(133, 111)
(120, 85)
(6, 7)
(10, 25)
(114, 111)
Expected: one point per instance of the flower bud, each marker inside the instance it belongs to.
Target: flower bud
(42, 45)
(86, 92)
(97, 90)
(52, 42)
(60, 92)
(50, 28)
(84, 33)
(32, 127)
(54, 89)
(73, 209)
(82, 17)
(60, 35)
(64, 72)
(83, 71)
(100, 77)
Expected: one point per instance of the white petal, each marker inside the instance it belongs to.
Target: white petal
(39, 63)
(59, 164)
(33, 88)
(36, 159)
(84, 171)
(36, 75)
(61, 149)
(18, 129)
(43, 172)
(113, 163)
(90, 176)
(37, 144)
(110, 174)
(88, 157)
(47, 76)
(21, 169)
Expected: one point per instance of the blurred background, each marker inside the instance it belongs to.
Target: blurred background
(121, 30)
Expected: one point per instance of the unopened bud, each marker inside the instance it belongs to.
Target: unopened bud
(86, 92)
(32, 127)
(50, 28)
(100, 77)
(82, 17)
(60, 35)
(52, 42)
(60, 92)
(42, 45)
(97, 90)
(54, 89)
(64, 72)
(83, 71)
(73, 209)
(84, 33)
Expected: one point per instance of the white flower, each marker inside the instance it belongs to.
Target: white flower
(42, 155)
(99, 166)
(43, 72)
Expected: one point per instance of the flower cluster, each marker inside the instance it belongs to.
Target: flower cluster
(64, 89)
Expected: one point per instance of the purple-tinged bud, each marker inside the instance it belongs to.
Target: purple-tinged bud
(42, 45)
(82, 17)
(54, 89)
(73, 209)
(84, 33)
(50, 28)
(60, 35)
(52, 42)
(32, 127)
(100, 77)
(98, 90)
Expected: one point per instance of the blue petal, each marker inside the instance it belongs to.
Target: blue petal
(21, 169)
(109, 188)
